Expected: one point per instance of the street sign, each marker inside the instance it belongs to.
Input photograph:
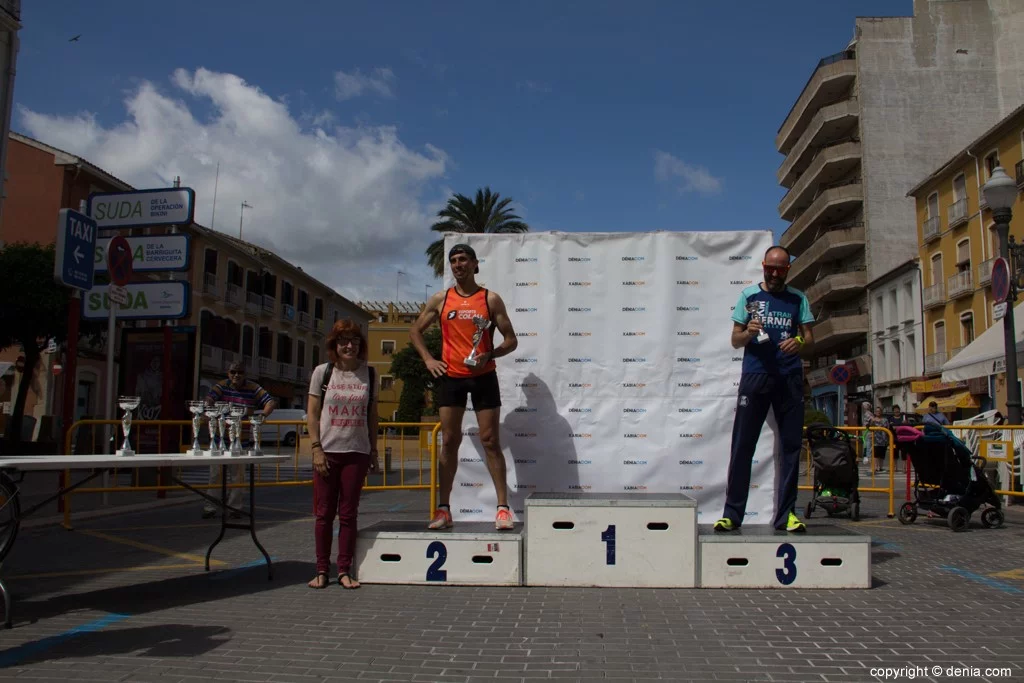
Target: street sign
(839, 374)
(119, 260)
(117, 294)
(76, 241)
(1000, 280)
(999, 311)
(149, 254)
(168, 206)
(156, 300)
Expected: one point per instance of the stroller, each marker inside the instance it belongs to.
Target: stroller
(836, 478)
(948, 479)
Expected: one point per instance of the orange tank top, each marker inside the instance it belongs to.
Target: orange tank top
(459, 333)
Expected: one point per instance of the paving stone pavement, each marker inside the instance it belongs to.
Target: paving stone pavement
(125, 598)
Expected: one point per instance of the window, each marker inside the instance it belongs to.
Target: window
(908, 302)
(879, 362)
(892, 319)
(963, 255)
(909, 352)
(387, 347)
(966, 328)
(895, 366)
(318, 308)
(937, 269)
(959, 187)
(940, 337)
(991, 162)
(933, 205)
(210, 261)
(387, 382)
(303, 301)
(287, 292)
(993, 238)
(316, 356)
(879, 310)
(300, 357)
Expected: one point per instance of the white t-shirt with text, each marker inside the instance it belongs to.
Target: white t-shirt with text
(344, 414)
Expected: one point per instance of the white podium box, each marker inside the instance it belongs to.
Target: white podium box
(470, 553)
(761, 557)
(593, 539)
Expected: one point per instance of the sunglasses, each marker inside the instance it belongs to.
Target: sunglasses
(778, 270)
(345, 341)
(236, 373)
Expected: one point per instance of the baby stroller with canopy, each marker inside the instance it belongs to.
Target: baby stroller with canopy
(949, 480)
(836, 479)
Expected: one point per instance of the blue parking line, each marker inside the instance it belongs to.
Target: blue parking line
(235, 571)
(22, 652)
(988, 581)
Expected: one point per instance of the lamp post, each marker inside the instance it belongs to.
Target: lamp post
(1000, 194)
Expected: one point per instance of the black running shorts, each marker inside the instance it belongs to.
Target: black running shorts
(483, 388)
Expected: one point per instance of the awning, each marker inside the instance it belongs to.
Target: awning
(986, 355)
(948, 404)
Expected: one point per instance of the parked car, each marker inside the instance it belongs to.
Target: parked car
(284, 434)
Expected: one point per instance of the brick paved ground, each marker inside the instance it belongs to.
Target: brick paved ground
(938, 600)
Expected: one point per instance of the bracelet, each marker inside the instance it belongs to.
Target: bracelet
(316, 444)
(799, 340)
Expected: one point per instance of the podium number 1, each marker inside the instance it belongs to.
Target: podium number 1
(787, 574)
(608, 536)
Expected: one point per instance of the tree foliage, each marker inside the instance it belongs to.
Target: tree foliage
(33, 309)
(407, 366)
(487, 212)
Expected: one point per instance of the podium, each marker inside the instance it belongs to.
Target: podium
(471, 553)
(824, 556)
(626, 540)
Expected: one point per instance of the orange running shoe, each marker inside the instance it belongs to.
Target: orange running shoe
(442, 519)
(503, 520)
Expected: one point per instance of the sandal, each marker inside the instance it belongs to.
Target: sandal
(346, 575)
(322, 581)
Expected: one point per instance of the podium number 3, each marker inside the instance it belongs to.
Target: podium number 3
(608, 536)
(787, 574)
(434, 571)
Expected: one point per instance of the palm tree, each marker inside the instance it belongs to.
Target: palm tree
(488, 212)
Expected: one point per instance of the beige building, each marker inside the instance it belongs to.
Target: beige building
(389, 333)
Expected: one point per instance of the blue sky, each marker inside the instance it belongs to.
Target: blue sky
(351, 122)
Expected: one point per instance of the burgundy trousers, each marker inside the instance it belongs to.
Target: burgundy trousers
(338, 493)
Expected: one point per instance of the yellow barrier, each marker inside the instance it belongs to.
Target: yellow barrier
(300, 450)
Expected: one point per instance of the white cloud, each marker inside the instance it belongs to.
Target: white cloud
(349, 85)
(351, 205)
(685, 177)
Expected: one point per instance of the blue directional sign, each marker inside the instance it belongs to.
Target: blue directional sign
(76, 247)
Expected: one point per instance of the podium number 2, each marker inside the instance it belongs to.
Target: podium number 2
(787, 574)
(434, 571)
(608, 536)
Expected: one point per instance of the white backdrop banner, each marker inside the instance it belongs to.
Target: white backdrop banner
(624, 379)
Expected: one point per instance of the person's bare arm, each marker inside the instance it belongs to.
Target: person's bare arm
(509, 341)
(313, 409)
(742, 334)
(430, 315)
(793, 346)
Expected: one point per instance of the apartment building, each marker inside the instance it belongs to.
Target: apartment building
(389, 333)
(958, 244)
(871, 121)
(897, 358)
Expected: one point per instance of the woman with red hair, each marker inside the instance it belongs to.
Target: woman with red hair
(342, 419)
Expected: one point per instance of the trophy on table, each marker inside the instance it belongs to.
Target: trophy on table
(223, 408)
(196, 408)
(482, 324)
(127, 404)
(255, 422)
(212, 413)
(237, 411)
(755, 314)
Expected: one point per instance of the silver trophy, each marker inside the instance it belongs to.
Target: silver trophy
(755, 314)
(237, 413)
(223, 410)
(212, 413)
(127, 404)
(255, 422)
(482, 325)
(196, 408)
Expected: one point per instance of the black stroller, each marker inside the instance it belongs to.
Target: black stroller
(836, 478)
(949, 480)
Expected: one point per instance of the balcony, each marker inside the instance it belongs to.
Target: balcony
(985, 272)
(834, 243)
(831, 123)
(318, 327)
(836, 161)
(933, 363)
(250, 366)
(830, 82)
(304, 320)
(232, 295)
(930, 229)
(839, 327)
(287, 313)
(253, 303)
(960, 284)
(267, 367)
(933, 296)
(1019, 169)
(836, 286)
(268, 303)
(210, 284)
(958, 213)
(832, 205)
(286, 371)
(211, 358)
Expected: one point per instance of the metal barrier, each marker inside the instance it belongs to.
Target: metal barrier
(299, 472)
(874, 487)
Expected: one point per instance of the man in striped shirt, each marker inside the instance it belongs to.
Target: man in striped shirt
(236, 389)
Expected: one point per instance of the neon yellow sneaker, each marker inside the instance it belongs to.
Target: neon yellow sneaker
(794, 523)
(725, 524)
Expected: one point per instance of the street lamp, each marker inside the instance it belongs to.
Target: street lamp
(1000, 194)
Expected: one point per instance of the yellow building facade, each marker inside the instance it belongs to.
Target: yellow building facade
(390, 323)
(958, 244)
